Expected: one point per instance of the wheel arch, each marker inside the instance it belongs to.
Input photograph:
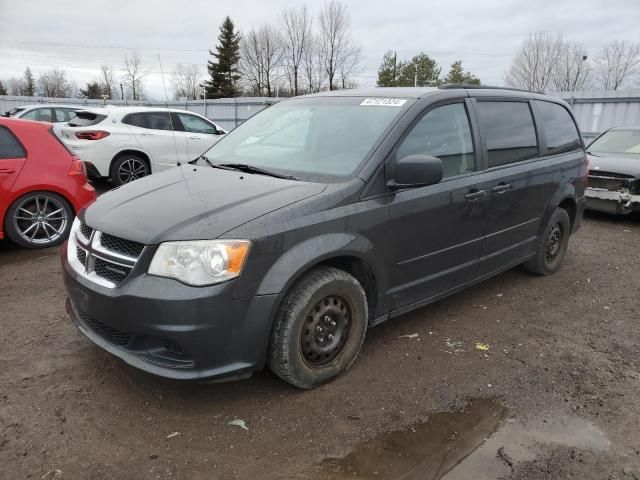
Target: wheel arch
(565, 198)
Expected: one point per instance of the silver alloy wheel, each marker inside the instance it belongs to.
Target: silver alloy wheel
(40, 219)
(131, 169)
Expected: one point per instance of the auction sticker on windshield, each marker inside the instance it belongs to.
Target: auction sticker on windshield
(383, 102)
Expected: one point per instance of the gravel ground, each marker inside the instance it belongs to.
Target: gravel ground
(556, 393)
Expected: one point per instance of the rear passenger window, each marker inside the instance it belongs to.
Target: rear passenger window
(560, 131)
(443, 132)
(508, 131)
(135, 119)
(158, 120)
(9, 145)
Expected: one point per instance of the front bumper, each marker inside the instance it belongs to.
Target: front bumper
(172, 330)
(611, 201)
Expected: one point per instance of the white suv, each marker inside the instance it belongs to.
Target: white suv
(127, 143)
(44, 112)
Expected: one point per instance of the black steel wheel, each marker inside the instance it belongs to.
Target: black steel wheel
(552, 245)
(319, 329)
(39, 220)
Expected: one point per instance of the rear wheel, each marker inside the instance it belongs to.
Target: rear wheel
(320, 328)
(39, 220)
(552, 245)
(127, 168)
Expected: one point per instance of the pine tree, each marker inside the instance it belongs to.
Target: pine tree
(92, 90)
(458, 75)
(421, 71)
(3, 89)
(224, 71)
(387, 73)
(29, 88)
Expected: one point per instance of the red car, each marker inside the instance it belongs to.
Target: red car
(42, 184)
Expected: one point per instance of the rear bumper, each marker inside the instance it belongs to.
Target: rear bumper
(169, 329)
(611, 201)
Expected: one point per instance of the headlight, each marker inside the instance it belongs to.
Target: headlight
(201, 262)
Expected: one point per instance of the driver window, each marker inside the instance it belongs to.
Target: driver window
(443, 132)
(195, 124)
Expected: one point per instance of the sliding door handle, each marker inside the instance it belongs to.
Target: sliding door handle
(475, 195)
(501, 188)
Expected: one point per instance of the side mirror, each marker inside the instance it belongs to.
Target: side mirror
(416, 171)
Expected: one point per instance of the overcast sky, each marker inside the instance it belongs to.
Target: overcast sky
(79, 35)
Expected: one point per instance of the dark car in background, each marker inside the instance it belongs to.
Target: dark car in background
(614, 171)
(319, 217)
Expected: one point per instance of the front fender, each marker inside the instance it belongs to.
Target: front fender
(303, 256)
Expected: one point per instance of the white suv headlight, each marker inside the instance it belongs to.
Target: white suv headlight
(200, 262)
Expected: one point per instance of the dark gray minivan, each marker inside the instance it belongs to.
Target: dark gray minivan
(319, 217)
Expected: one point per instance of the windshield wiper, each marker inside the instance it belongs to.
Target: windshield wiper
(243, 167)
(210, 163)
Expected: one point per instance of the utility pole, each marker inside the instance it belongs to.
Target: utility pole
(395, 58)
(121, 93)
(415, 80)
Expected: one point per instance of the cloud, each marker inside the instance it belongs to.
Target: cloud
(484, 35)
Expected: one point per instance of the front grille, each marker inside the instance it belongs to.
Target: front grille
(103, 258)
(609, 181)
(120, 245)
(82, 255)
(110, 271)
(86, 230)
(110, 334)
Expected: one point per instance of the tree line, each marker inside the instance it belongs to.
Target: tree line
(549, 62)
(420, 71)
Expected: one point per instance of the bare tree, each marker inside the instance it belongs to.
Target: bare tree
(534, 65)
(15, 86)
(572, 72)
(133, 75)
(107, 80)
(348, 64)
(261, 54)
(616, 64)
(54, 83)
(335, 39)
(297, 32)
(312, 65)
(187, 82)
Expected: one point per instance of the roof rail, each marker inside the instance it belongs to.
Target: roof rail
(468, 86)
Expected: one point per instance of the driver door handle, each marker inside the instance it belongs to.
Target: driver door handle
(501, 188)
(6, 171)
(475, 195)
(194, 138)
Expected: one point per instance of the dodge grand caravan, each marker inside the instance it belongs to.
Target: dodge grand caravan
(319, 217)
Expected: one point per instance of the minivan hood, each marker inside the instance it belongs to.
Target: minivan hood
(625, 164)
(192, 203)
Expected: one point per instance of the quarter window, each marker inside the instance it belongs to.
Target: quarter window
(9, 145)
(443, 132)
(560, 131)
(508, 131)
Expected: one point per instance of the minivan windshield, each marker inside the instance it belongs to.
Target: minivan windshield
(617, 141)
(315, 138)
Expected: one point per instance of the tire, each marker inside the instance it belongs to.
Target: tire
(39, 220)
(128, 167)
(552, 245)
(319, 329)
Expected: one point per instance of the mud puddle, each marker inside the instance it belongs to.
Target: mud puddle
(477, 442)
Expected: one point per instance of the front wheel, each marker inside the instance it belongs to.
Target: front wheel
(552, 245)
(39, 220)
(319, 329)
(127, 168)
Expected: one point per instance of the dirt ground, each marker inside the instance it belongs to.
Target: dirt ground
(556, 395)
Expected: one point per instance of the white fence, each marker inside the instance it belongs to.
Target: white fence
(226, 112)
